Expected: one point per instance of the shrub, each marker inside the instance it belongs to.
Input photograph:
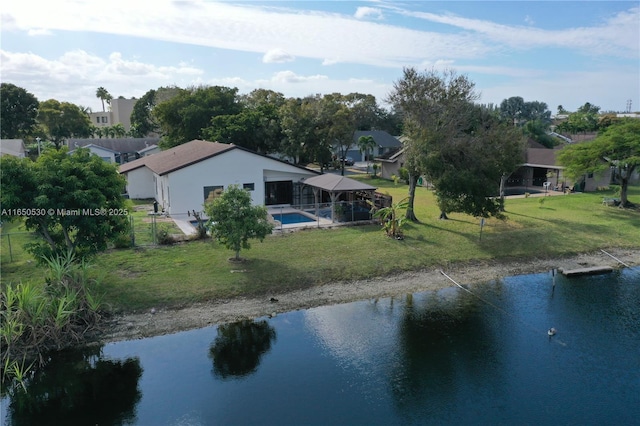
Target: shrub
(163, 237)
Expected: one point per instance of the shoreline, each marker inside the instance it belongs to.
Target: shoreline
(160, 321)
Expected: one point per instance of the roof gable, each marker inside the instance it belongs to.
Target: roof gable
(381, 138)
(120, 145)
(190, 153)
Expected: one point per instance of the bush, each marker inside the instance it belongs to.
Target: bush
(163, 237)
(37, 318)
(122, 241)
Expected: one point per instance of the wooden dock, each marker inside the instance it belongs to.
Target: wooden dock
(593, 270)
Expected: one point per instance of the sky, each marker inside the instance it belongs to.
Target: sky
(557, 52)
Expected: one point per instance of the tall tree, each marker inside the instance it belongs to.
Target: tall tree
(617, 147)
(63, 120)
(468, 170)
(103, 95)
(435, 107)
(233, 220)
(336, 123)
(183, 117)
(366, 144)
(72, 201)
(18, 112)
(143, 121)
(256, 126)
(297, 120)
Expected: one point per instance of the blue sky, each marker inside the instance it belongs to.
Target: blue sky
(561, 53)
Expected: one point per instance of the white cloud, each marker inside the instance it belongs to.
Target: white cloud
(291, 77)
(277, 56)
(74, 76)
(364, 12)
(617, 36)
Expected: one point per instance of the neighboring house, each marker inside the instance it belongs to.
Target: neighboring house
(541, 166)
(127, 149)
(182, 178)
(13, 147)
(391, 162)
(106, 154)
(119, 113)
(385, 143)
(151, 149)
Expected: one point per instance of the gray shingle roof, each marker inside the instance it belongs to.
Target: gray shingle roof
(381, 137)
(122, 145)
(333, 182)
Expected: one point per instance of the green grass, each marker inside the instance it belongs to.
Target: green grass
(197, 271)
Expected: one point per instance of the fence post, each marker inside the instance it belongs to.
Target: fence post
(10, 251)
(133, 231)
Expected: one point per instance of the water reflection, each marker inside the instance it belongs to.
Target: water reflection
(445, 339)
(238, 347)
(79, 387)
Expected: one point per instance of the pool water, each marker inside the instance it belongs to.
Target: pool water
(445, 357)
(290, 218)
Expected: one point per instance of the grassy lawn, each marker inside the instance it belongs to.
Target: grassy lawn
(139, 278)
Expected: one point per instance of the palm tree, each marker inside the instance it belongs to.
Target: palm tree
(366, 144)
(118, 130)
(103, 95)
(392, 219)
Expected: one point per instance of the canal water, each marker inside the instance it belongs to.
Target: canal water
(445, 357)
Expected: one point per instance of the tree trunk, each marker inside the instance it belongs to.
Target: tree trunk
(413, 181)
(624, 183)
(503, 180)
(443, 215)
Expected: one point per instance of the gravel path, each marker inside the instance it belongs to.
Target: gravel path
(160, 321)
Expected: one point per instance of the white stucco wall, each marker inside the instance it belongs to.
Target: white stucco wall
(237, 167)
(105, 154)
(140, 183)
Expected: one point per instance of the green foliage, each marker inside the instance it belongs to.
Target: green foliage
(36, 318)
(183, 117)
(18, 112)
(233, 220)
(404, 174)
(72, 201)
(391, 218)
(516, 111)
(464, 149)
(616, 148)
(366, 144)
(537, 130)
(63, 120)
(164, 237)
(103, 95)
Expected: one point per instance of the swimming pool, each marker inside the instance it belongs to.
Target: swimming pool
(290, 218)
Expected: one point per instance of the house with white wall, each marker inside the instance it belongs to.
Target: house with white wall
(13, 147)
(182, 178)
(108, 155)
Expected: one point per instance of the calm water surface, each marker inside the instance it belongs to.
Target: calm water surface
(446, 357)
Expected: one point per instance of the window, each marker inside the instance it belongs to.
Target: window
(211, 192)
(104, 119)
(249, 186)
(590, 175)
(98, 120)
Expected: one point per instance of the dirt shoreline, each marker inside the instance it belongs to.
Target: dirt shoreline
(159, 321)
